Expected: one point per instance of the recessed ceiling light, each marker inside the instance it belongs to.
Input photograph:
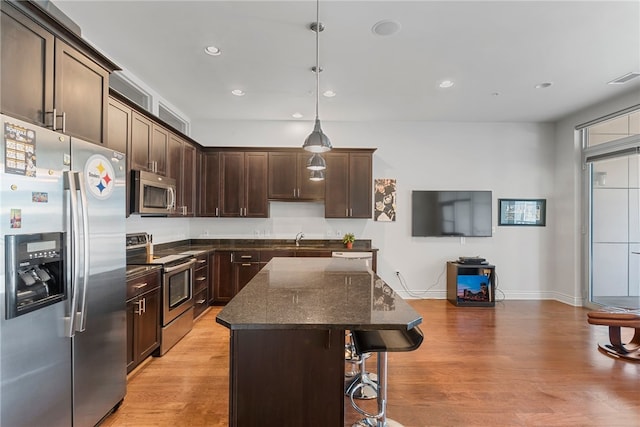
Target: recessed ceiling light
(495, 93)
(329, 93)
(212, 50)
(386, 27)
(297, 115)
(238, 92)
(446, 84)
(543, 85)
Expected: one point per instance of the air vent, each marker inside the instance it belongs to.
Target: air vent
(623, 79)
(121, 84)
(172, 119)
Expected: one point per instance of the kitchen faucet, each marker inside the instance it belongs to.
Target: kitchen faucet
(299, 237)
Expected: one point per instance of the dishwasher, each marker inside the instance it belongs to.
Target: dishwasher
(367, 256)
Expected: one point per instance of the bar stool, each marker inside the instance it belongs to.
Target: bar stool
(360, 376)
(382, 342)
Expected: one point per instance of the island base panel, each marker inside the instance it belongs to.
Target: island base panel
(287, 378)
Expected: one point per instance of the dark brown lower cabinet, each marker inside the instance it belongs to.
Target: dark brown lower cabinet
(279, 377)
(243, 272)
(201, 285)
(223, 286)
(143, 319)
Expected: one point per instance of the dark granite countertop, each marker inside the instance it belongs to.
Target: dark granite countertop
(317, 293)
(208, 245)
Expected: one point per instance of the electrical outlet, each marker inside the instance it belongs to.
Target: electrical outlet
(338, 233)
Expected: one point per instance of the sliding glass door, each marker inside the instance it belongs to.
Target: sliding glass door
(615, 230)
(611, 151)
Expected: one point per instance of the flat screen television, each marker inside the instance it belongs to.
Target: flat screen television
(451, 213)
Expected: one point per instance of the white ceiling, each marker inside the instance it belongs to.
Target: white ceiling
(503, 47)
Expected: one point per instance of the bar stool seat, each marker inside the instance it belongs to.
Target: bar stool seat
(382, 342)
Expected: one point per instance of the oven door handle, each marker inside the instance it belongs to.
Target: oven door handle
(182, 266)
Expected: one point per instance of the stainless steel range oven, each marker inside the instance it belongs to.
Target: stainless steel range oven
(177, 288)
(177, 299)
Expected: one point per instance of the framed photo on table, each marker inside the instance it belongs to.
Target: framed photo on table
(531, 212)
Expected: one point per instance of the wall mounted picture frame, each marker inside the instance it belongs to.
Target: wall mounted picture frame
(385, 200)
(522, 212)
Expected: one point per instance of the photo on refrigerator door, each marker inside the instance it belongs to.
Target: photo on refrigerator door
(20, 150)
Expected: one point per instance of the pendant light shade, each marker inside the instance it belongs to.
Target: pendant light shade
(317, 176)
(317, 141)
(316, 163)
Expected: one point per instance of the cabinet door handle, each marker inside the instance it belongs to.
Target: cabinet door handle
(217, 212)
(200, 279)
(64, 121)
(346, 212)
(53, 119)
(246, 264)
(144, 305)
(138, 307)
(246, 256)
(202, 261)
(140, 286)
(200, 301)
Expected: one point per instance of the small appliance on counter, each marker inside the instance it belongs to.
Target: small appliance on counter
(177, 287)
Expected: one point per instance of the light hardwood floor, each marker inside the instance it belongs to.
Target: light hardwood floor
(520, 363)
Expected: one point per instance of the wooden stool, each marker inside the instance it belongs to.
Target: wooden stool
(616, 318)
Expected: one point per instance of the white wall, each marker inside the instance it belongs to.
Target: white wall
(512, 160)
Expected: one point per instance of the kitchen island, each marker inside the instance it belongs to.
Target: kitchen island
(287, 341)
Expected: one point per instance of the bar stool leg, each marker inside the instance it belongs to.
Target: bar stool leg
(380, 419)
(365, 382)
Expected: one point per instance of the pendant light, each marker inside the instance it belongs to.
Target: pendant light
(317, 141)
(316, 175)
(316, 163)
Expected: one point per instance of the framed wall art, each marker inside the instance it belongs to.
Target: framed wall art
(385, 200)
(531, 212)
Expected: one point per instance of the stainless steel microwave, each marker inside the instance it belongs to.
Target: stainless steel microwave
(152, 194)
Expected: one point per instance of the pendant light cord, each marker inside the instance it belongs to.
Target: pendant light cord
(317, 57)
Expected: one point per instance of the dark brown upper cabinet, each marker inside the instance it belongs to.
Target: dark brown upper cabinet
(348, 184)
(209, 179)
(158, 152)
(181, 166)
(289, 177)
(149, 145)
(243, 184)
(119, 126)
(141, 128)
(48, 81)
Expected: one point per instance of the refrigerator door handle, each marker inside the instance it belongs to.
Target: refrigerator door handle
(70, 185)
(85, 253)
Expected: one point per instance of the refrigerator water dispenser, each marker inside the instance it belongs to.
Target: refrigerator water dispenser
(35, 272)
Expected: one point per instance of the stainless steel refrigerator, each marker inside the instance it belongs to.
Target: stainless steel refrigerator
(62, 270)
